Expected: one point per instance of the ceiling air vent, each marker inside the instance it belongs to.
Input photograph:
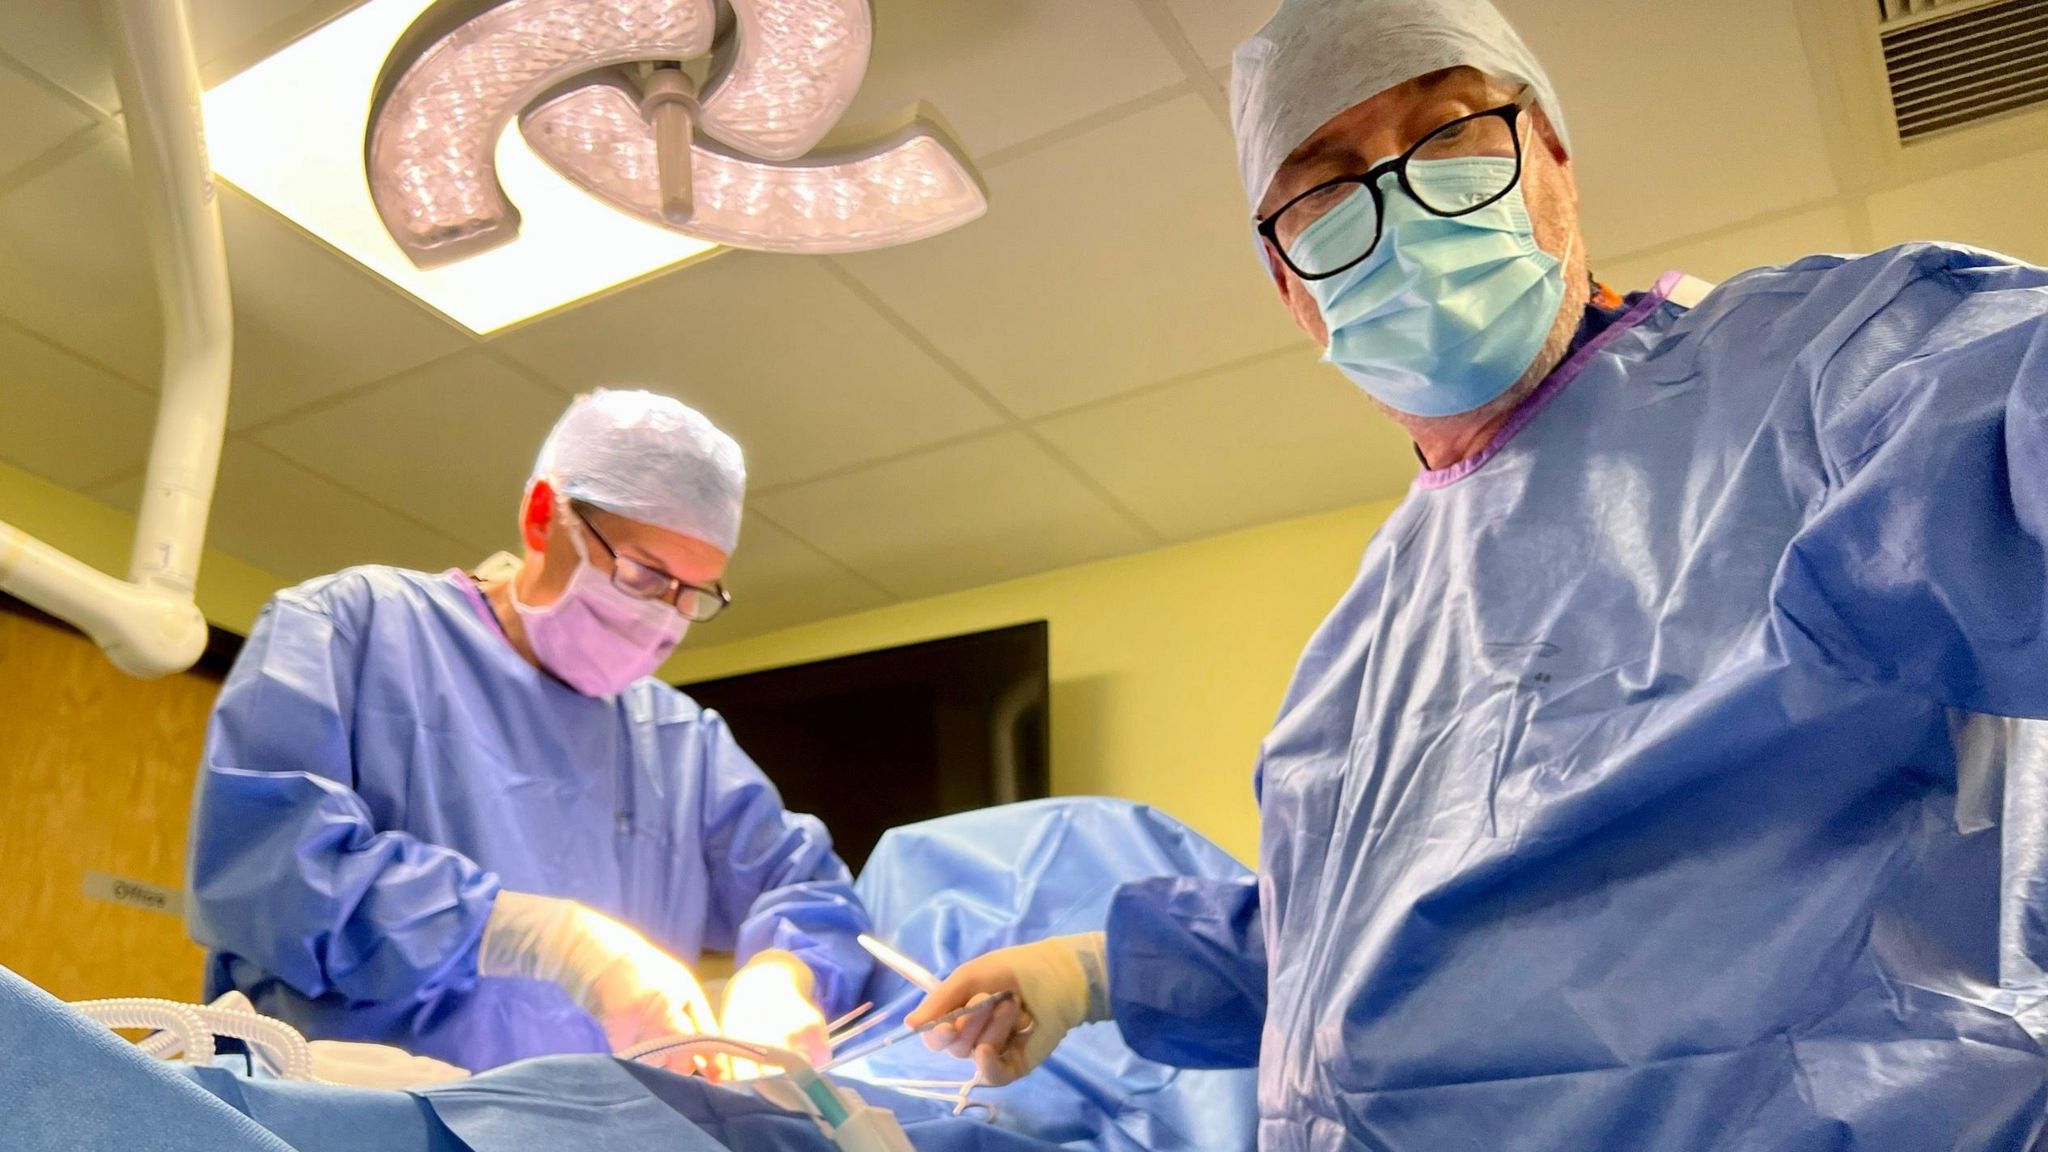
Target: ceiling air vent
(1950, 63)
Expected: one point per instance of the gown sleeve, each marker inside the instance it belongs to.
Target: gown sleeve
(286, 868)
(1187, 970)
(1923, 567)
(776, 882)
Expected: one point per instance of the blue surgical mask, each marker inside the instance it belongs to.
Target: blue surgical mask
(1448, 311)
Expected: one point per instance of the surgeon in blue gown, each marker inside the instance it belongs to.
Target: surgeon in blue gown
(455, 813)
(1656, 783)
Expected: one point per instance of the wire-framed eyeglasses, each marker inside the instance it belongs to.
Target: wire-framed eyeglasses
(696, 602)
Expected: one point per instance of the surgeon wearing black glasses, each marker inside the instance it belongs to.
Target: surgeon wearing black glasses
(454, 812)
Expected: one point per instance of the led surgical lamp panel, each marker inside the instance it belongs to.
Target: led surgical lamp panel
(499, 160)
(453, 84)
(910, 187)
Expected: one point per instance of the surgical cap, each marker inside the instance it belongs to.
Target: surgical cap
(1317, 58)
(650, 458)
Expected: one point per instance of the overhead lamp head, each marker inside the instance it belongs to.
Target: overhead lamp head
(734, 166)
(462, 72)
(904, 182)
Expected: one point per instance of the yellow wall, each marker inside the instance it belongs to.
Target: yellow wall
(99, 781)
(1167, 666)
(230, 591)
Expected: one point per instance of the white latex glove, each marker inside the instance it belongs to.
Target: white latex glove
(769, 1002)
(634, 990)
(1060, 983)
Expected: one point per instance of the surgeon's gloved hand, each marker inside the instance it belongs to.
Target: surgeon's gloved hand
(769, 1002)
(1060, 983)
(633, 989)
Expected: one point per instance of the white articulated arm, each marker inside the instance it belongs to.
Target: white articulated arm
(148, 624)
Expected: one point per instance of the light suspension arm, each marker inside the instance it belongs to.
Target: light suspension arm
(148, 624)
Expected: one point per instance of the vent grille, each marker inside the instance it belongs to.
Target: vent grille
(1896, 10)
(1947, 71)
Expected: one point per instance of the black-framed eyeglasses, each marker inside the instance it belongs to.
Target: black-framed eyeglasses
(642, 582)
(1492, 134)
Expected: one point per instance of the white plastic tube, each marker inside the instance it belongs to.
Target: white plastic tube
(180, 1020)
(280, 1043)
(148, 624)
(162, 1046)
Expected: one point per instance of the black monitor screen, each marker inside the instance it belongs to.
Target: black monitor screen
(871, 741)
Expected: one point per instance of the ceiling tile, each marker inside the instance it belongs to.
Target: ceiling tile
(66, 420)
(1684, 116)
(310, 323)
(230, 35)
(1217, 27)
(779, 582)
(967, 514)
(976, 62)
(297, 525)
(1718, 257)
(36, 121)
(1981, 206)
(452, 443)
(64, 41)
(1114, 260)
(1279, 438)
(73, 265)
(773, 349)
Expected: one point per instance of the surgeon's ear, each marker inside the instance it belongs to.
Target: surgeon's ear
(1277, 269)
(1552, 142)
(536, 515)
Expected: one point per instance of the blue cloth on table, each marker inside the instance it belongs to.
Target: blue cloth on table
(574, 1102)
(70, 1083)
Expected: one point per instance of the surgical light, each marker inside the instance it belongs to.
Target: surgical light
(498, 159)
(600, 92)
(448, 92)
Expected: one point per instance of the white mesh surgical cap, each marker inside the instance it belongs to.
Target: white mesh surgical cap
(650, 458)
(1316, 58)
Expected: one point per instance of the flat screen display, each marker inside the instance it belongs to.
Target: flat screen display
(874, 740)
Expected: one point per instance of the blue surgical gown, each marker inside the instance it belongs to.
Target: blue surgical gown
(381, 762)
(1643, 792)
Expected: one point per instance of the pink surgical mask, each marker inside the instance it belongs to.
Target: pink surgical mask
(596, 638)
